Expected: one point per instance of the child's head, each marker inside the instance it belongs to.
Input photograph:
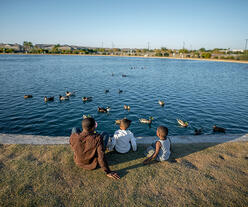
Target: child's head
(125, 123)
(162, 132)
(88, 124)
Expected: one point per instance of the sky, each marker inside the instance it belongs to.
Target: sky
(126, 23)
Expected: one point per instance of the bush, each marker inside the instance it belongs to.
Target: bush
(243, 57)
(158, 54)
(206, 55)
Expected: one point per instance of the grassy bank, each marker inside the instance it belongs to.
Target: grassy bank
(204, 175)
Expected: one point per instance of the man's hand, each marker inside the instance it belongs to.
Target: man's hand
(146, 161)
(113, 175)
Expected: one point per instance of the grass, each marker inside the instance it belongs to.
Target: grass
(204, 175)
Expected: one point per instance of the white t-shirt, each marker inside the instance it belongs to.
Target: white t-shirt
(121, 141)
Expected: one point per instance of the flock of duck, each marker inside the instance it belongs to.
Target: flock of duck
(126, 107)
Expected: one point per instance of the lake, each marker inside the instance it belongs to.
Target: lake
(203, 93)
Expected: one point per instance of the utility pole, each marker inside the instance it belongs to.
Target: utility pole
(148, 46)
(183, 44)
(245, 46)
(102, 44)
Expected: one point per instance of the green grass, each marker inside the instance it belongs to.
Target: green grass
(204, 175)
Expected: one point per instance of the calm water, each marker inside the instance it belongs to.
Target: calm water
(202, 93)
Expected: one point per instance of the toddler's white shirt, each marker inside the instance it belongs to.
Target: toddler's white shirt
(121, 141)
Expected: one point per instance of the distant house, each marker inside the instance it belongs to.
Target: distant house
(44, 46)
(64, 47)
(237, 50)
(16, 47)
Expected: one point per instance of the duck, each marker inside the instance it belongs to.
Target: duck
(198, 131)
(28, 96)
(70, 93)
(123, 75)
(86, 116)
(126, 107)
(146, 121)
(103, 110)
(106, 91)
(120, 91)
(161, 103)
(87, 99)
(113, 74)
(182, 123)
(118, 121)
(219, 129)
(63, 98)
(49, 98)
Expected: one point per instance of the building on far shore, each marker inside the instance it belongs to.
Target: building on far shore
(15, 47)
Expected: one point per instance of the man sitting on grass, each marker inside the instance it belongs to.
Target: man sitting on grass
(88, 148)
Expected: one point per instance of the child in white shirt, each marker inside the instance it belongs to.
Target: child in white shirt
(123, 138)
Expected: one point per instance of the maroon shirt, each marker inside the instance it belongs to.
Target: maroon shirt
(88, 150)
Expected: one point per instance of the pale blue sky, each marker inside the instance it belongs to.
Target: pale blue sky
(129, 23)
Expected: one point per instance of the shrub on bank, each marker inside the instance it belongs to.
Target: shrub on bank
(206, 55)
(243, 57)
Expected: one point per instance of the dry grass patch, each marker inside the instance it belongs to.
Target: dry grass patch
(204, 175)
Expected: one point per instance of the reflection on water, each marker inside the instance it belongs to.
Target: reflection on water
(202, 93)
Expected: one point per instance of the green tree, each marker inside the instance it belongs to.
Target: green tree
(202, 49)
(55, 49)
(183, 51)
(206, 55)
(27, 46)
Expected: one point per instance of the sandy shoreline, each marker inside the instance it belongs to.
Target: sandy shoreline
(172, 58)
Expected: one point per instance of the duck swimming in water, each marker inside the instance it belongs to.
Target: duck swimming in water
(198, 131)
(49, 98)
(86, 116)
(103, 110)
(182, 123)
(106, 91)
(161, 103)
(118, 121)
(87, 99)
(146, 121)
(120, 91)
(28, 96)
(63, 98)
(70, 93)
(219, 129)
(126, 107)
(124, 75)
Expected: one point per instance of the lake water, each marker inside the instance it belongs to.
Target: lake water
(200, 92)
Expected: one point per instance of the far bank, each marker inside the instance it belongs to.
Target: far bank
(172, 58)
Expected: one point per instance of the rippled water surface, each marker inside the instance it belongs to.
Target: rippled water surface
(200, 92)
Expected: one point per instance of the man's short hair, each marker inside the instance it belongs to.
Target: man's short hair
(88, 123)
(125, 123)
(163, 131)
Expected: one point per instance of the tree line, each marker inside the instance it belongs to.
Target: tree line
(216, 53)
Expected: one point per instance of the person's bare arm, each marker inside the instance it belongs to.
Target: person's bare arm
(103, 162)
(154, 155)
